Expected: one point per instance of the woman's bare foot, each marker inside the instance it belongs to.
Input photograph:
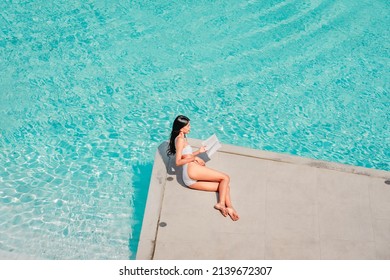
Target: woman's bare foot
(221, 208)
(232, 213)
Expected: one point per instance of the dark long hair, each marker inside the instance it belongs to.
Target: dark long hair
(180, 122)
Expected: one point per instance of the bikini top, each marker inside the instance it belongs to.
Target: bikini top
(187, 150)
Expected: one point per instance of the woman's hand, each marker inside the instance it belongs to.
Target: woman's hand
(193, 158)
(200, 161)
(189, 156)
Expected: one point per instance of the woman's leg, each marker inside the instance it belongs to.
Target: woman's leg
(205, 186)
(210, 180)
(229, 207)
(211, 187)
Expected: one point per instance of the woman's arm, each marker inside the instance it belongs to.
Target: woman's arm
(200, 161)
(201, 150)
(180, 160)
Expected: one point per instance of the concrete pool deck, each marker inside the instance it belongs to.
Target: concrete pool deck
(290, 208)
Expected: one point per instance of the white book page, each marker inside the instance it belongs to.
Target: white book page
(212, 145)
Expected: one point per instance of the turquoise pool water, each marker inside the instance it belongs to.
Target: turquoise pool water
(89, 89)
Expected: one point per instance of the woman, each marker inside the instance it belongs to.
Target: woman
(195, 174)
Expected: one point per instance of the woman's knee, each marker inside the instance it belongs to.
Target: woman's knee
(225, 177)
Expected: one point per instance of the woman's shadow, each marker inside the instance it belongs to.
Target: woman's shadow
(170, 164)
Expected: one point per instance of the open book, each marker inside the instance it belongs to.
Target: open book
(212, 145)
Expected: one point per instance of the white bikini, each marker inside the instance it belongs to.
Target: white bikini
(187, 150)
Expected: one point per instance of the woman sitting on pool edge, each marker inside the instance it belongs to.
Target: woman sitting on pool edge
(195, 173)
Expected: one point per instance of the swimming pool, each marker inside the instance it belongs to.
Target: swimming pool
(89, 90)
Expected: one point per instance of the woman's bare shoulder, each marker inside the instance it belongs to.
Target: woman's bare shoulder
(179, 139)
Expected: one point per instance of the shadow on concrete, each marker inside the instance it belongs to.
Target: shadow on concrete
(170, 165)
